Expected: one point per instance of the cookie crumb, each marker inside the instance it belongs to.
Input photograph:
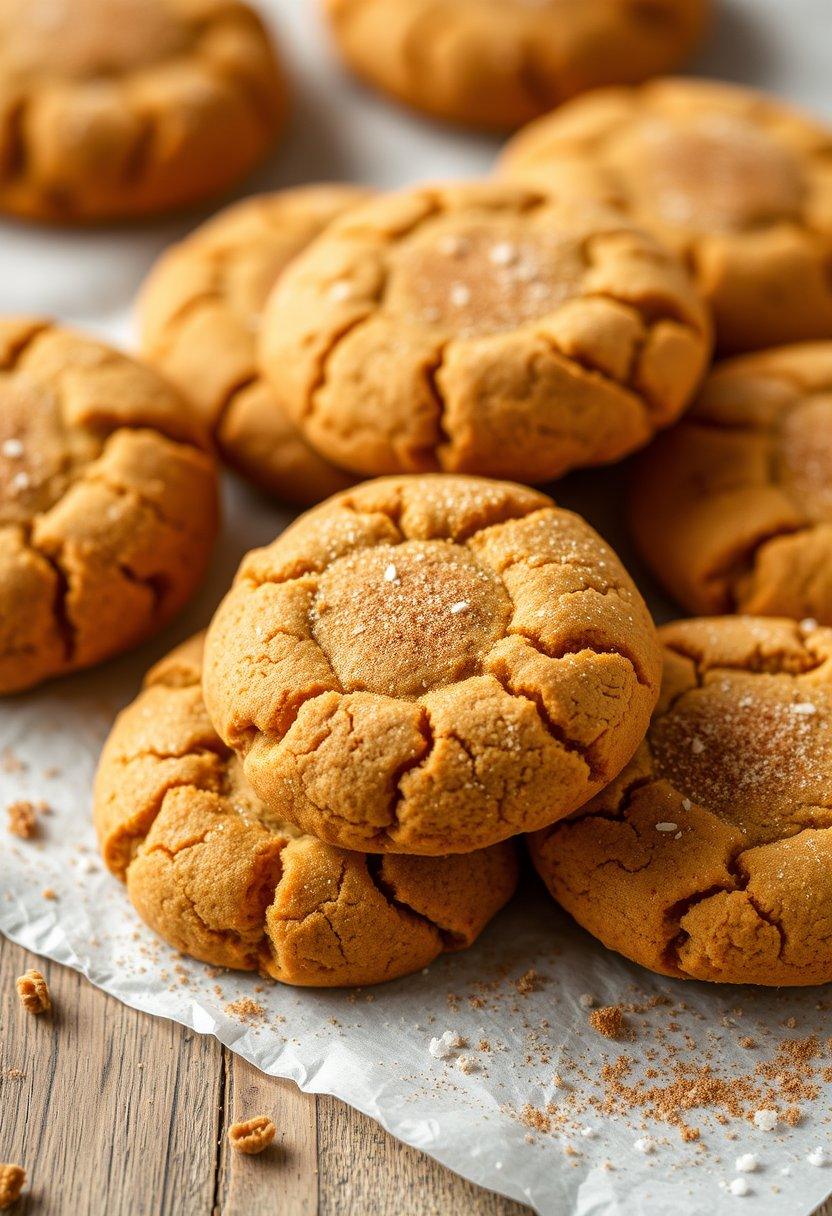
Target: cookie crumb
(529, 981)
(466, 1064)
(12, 1178)
(586, 1000)
(33, 992)
(609, 1021)
(246, 1009)
(252, 1135)
(49, 893)
(447, 1043)
(22, 819)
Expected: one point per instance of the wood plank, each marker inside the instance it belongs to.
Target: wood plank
(364, 1169)
(283, 1180)
(118, 1112)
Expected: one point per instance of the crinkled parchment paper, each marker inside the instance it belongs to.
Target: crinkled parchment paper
(371, 1047)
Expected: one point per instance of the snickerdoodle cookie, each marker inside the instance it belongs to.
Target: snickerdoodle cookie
(120, 108)
(482, 328)
(222, 877)
(710, 857)
(108, 502)
(499, 63)
(735, 181)
(732, 508)
(200, 312)
(430, 665)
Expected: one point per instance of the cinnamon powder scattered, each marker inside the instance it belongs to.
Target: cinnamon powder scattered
(610, 1022)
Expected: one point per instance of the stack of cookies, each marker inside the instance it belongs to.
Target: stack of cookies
(328, 785)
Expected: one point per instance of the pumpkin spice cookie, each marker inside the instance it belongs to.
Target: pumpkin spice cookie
(482, 328)
(493, 64)
(221, 877)
(735, 181)
(108, 503)
(710, 857)
(732, 508)
(122, 108)
(430, 665)
(200, 312)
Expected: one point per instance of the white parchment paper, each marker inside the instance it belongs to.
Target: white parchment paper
(371, 1047)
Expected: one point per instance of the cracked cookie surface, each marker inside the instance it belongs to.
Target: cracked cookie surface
(732, 508)
(499, 63)
(710, 856)
(733, 180)
(431, 664)
(108, 503)
(121, 108)
(218, 875)
(200, 312)
(482, 328)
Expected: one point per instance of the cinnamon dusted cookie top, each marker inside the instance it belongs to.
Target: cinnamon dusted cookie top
(482, 328)
(430, 665)
(119, 108)
(222, 877)
(200, 314)
(710, 857)
(735, 181)
(108, 502)
(732, 508)
(499, 63)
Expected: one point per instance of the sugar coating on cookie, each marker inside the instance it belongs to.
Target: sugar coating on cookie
(199, 315)
(108, 502)
(710, 857)
(735, 181)
(221, 877)
(499, 64)
(117, 108)
(732, 508)
(431, 664)
(482, 328)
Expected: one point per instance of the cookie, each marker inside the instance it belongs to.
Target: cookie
(108, 503)
(735, 181)
(199, 316)
(732, 508)
(492, 64)
(123, 108)
(710, 857)
(429, 665)
(221, 877)
(482, 328)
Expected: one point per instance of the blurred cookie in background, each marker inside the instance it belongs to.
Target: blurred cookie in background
(737, 182)
(199, 316)
(115, 109)
(497, 64)
(732, 508)
(108, 503)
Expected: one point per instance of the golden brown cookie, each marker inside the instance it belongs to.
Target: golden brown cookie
(430, 665)
(200, 312)
(499, 63)
(732, 508)
(108, 503)
(735, 181)
(482, 328)
(123, 108)
(710, 857)
(220, 876)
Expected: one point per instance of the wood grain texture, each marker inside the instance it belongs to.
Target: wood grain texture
(124, 1114)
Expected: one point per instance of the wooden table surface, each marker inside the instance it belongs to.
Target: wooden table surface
(121, 1114)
